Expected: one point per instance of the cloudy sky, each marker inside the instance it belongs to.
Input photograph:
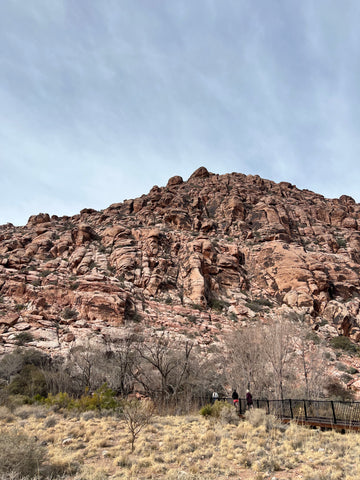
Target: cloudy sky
(101, 100)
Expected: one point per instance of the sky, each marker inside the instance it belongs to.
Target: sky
(101, 100)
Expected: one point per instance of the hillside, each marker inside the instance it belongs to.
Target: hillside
(197, 258)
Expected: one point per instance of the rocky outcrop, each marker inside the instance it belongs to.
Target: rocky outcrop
(193, 257)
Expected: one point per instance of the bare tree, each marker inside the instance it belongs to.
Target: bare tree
(246, 361)
(312, 362)
(121, 361)
(137, 414)
(166, 366)
(278, 347)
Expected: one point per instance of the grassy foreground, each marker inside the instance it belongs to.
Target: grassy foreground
(88, 446)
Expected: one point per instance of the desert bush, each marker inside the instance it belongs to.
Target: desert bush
(26, 411)
(222, 411)
(29, 382)
(51, 421)
(229, 414)
(23, 338)
(206, 410)
(68, 313)
(6, 415)
(257, 417)
(20, 454)
(257, 304)
(343, 343)
(218, 304)
(102, 399)
(89, 415)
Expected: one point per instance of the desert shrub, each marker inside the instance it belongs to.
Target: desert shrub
(343, 343)
(89, 415)
(26, 411)
(346, 378)
(341, 242)
(29, 382)
(5, 415)
(229, 414)
(102, 399)
(60, 400)
(222, 411)
(206, 411)
(196, 306)
(337, 392)
(257, 304)
(68, 313)
(51, 421)
(341, 366)
(23, 338)
(217, 304)
(313, 337)
(20, 454)
(258, 416)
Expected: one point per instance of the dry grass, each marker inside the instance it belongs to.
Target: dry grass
(187, 448)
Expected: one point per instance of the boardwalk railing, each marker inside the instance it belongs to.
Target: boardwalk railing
(317, 412)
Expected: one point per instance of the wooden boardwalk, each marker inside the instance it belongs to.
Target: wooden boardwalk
(324, 414)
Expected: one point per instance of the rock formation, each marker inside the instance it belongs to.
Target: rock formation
(196, 257)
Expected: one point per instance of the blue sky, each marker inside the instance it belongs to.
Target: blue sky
(101, 100)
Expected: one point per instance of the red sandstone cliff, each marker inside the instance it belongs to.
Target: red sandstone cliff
(196, 257)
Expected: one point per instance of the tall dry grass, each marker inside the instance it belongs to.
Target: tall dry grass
(90, 447)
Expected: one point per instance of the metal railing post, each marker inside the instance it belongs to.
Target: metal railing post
(305, 411)
(291, 410)
(333, 410)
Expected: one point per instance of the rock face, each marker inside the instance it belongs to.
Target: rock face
(193, 257)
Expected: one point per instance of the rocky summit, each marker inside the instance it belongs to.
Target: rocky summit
(197, 258)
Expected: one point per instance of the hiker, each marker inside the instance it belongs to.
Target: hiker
(214, 397)
(249, 400)
(235, 397)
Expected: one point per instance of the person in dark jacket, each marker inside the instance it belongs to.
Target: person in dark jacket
(249, 400)
(235, 397)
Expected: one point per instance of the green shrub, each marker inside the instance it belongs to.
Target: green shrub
(68, 313)
(255, 307)
(313, 337)
(23, 338)
(20, 454)
(102, 399)
(341, 242)
(29, 382)
(223, 411)
(343, 343)
(217, 304)
(206, 411)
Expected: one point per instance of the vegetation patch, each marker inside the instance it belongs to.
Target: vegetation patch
(344, 343)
